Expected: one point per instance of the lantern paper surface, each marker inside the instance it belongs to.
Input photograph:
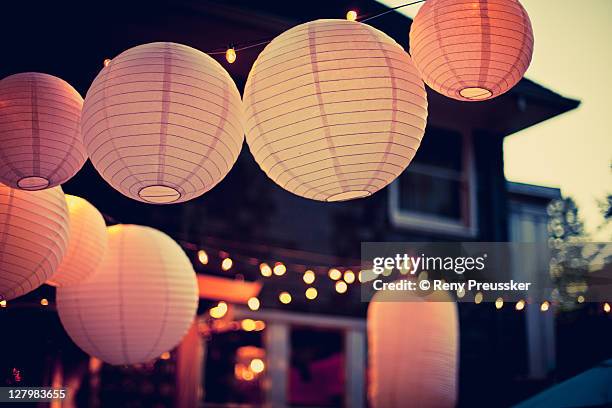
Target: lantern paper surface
(86, 246)
(138, 304)
(162, 123)
(34, 230)
(40, 139)
(335, 110)
(471, 50)
(413, 349)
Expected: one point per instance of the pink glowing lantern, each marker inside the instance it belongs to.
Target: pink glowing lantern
(40, 139)
(34, 230)
(471, 50)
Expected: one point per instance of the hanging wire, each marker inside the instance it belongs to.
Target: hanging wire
(246, 46)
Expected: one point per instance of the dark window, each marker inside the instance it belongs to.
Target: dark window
(435, 183)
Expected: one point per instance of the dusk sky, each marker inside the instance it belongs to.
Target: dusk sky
(573, 56)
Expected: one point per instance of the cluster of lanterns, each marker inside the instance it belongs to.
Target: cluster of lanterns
(105, 305)
(333, 110)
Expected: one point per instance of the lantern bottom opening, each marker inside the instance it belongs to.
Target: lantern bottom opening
(475, 93)
(159, 194)
(348, 195)
(33, 183)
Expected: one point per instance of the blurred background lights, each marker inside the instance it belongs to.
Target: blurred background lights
(227, 263)
(544, 306)
(279, 269)
(499, 303)
(309, 277)
(265, 270)
(349, 276)
(341, 287)
(334, 274)
(520, 305)
(285, 298)
(311, 293)
(257, 365)
(253, 303)
(202, 257)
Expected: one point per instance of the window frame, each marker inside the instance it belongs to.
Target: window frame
(423, 222)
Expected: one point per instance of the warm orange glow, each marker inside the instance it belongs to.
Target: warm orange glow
(106, 62)
(260, 325)
(165, 355)
(351, 15)
(2, 303)
(499, 303)
(227, 263)
(247, 375)
(253, 303)
(265, 270)
(257, 365)
(520, 305)
(311, 293)
(544, 306)
(285, 298)
(202, 257)
(248, 325)
(349, 276)
(606, 307)
(230, 55)
(334, 274)
(279, 269)
(309, 277)
(44, 302)
(341, 287)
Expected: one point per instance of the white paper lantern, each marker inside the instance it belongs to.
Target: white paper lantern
(162, 123)
(138, 304)
(86, 246)
(34, 229)
(471, 50)
(40, 139)
(413, 351)
(335, 110)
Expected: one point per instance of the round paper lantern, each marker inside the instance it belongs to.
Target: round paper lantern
(162, 123)
(413, 350)
(34, 229)
(86, 245)
(471, 50)
(139, 303)
(40, 139)
(335, 110)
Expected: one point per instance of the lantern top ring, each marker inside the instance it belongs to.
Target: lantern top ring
(33, 183)
(159, 194)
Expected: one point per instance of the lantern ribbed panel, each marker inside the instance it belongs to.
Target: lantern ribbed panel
(162, 123)
(86, 246)
(471, 50)
(413, 349)
(40, 139)
(140, 302)
(34, 229)
(335, 110)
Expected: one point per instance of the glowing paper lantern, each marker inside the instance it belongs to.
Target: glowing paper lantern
(34, 228)
(40, 139)
(140, 302)
(162, 123)
(335, 110)
(471, 50)
(86, 246)
(413, 349)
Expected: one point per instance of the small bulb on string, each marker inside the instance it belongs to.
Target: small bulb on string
(227, 263)
(230, 55)
(106, 62)
(285, 298)
(44, 302)
(606, 307)
(351, 15)
(202, 257)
